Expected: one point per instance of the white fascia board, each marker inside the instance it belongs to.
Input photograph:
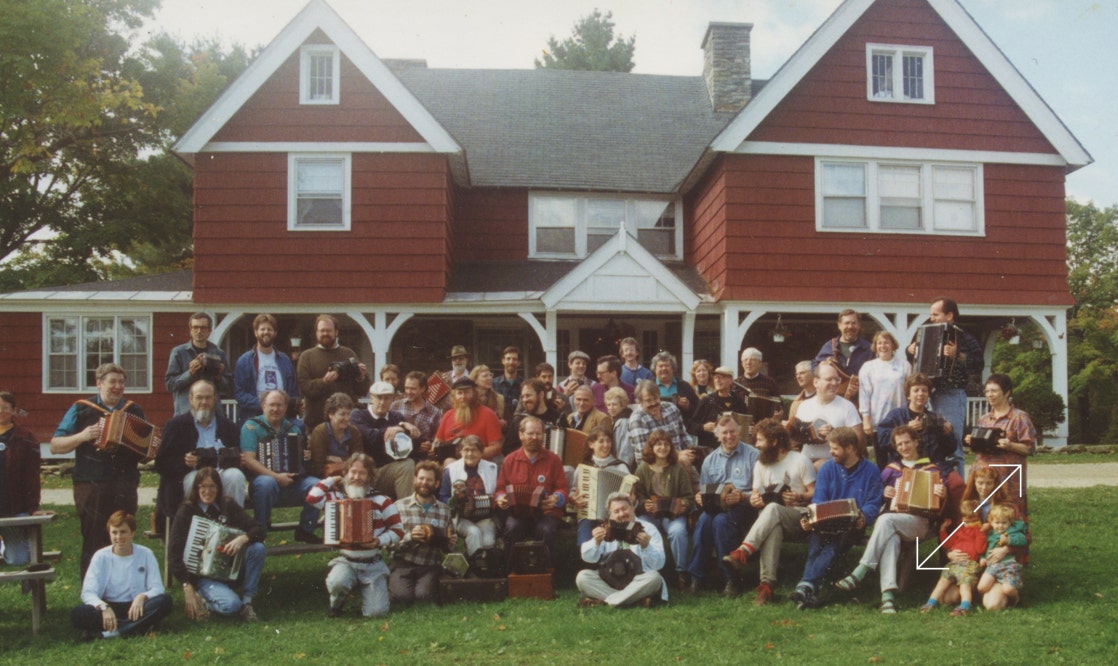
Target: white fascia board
(899, 153)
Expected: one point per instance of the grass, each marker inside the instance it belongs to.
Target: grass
(1068, 615)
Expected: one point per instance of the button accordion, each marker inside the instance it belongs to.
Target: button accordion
(916, 493)
(525, 499)
(595, 486)
(225, 457)
(437, 388)
(985, 440)
(348, 521)
(119, 428)
(282, 454)
(714, 496)
(834, 517)
(668, 507)
(202, 556)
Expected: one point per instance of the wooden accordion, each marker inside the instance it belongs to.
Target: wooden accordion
(282, 454)
(834, 517)
(202, 555)
(916, 493)
(567, 443)
(525, 499)
(625, 532)
(595, 485)
(985, 440)
(348, 521)
(119, 428)
(930, 341)
(437, 388)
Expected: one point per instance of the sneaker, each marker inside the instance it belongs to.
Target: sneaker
(737, 559)
(248, 614)
(590, 602)
(307, 537)
(764, 594)
(805, 598)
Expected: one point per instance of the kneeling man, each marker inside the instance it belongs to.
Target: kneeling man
(428, 535)
(649, 547)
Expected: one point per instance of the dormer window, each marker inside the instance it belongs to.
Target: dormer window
(902, 74)
(319, 65)
(570, 226)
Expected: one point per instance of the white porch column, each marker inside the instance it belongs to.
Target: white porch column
(547, 333)
(734, 329)
(687, 357)
(1055, 329)
(222, 326)
(380, 333)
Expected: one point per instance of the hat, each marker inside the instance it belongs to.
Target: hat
(578, 354)
(401, 446)
(464, 383)
(458, 350)
(723, 370)
(382, 388)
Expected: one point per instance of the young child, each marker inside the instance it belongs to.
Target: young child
(1005, 530)
(970, 539)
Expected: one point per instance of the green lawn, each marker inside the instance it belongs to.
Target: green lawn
(1069, 615)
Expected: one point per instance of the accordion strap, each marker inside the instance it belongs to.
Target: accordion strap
(90, 403)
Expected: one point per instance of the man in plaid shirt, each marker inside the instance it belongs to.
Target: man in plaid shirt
(417, 411)
(428, 535)
(656, 415)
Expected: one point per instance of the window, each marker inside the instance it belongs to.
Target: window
(900, 74)
(76, 345)
(318, 192)
(319, 66)
(566, 226)
(897, 197)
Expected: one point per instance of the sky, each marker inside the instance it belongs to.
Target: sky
(1066, 49)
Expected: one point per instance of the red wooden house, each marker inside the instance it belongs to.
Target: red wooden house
(896, 157)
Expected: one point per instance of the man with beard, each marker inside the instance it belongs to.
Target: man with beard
(846, 475)
(417, 411)
(459, 359)
(631, 370)
(533, 402)
(468, 417)
(318, 381)
(678, 393)
(649, 547)
(428, 535)
(713, 405)
(848, 351)
(262, 369)
(783, 483)
(727, 471)
(378, 426)
(185, 435)
(656, 415)
(531, 467)
(186, 364)
(359, 564)
(508, 384)
(817, 417)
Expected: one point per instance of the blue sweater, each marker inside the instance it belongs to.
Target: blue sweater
(862, 484)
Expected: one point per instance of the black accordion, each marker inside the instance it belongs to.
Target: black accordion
(226, 457)
(282, 454)
(985, 440)
(930, 341)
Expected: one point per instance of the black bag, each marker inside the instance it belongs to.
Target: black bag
(620, 568)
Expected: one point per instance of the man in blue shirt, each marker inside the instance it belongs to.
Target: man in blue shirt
(187, 364)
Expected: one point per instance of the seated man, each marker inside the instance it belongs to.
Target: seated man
(271, 488)
(649, 547)
(727, 471)
(817, 417)
(428, 536)
(378, 426)
(525, 469)
(359, 564)
(533, 402)
(713, 405)
(585, 416)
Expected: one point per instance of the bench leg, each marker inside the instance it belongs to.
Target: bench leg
(166, 550)
(38, 605)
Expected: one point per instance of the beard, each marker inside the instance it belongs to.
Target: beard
(203, 416)
(464, 414)
(355, 491)
(769, 455)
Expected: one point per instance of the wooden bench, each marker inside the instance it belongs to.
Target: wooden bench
(36, 581)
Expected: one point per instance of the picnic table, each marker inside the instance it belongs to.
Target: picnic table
(38, 572)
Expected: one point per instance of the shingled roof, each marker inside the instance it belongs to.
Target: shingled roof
(578, 130)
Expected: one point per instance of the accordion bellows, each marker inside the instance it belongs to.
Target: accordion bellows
(348, 521)
(130, 431)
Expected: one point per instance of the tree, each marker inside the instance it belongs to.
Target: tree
(592, 46)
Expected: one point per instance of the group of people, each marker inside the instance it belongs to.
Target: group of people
(473, 466)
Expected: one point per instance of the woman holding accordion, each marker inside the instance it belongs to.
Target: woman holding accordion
(664, 495)
(1017, 440)
(465, 480)
(201, 593)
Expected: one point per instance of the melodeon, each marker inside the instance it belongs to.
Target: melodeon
(668, 507)
(119, 428)
(210, 362)
(760, 405)
(595, 485)
(282, 454)
(916, 493)
(567, 443)
(848, 383)
(834, 517)
(930, 341)
(985, 440)
(437, 388)
(625, 532)
(348, 521)
(225, 457)
(525, 499)
(807, 433)
(714, 496)
(202, 556)
(478, 507)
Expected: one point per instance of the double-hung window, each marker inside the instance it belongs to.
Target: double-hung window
(318, 191)
(565, 226)
(319, 74)
(900, 74)
(76, 345)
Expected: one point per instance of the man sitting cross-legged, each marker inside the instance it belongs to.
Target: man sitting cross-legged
(648, 546)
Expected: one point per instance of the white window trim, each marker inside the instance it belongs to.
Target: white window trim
(581, 226)
(130, 387)
(293, 160)
(873, 205)
(898, 51)
(306, 53)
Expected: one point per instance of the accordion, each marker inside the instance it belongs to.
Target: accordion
(525, 499)
(985, 440)
(668, 507)
(916, 493)
(282, 454)
(348, 521)
(529, 557)
(567, 443)
(834, 517)
(226, 457)
(762, 406)
(202, 556)
(714, 496)
(455, 565)
(595, 485)
(807, 433)
(348, 370)
(444, 451)
(210, 363)
(437, 388)
(623, 532)
(930, 341)
(478, 507)
(774, 494)
(119, 428)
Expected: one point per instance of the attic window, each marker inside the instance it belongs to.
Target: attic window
(319, 66)
(902, 74)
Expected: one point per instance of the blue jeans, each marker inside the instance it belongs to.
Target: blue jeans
(822, 553)
(723, 532)
(585, 529)
(155, 609)
(951, 404)
(221, 598)
(266, 493)
(678, 539)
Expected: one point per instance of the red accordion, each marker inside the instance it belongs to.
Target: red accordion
(348, 521)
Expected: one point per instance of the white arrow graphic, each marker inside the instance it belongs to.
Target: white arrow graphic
(1021, 489)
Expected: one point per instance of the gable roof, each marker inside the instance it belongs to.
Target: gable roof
(317, 15)
(964, 27)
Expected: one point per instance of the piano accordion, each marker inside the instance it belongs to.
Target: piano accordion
(567, 443)
(985, 440)
(930, 341)
(202, 556)
(437, 388)
(916, 493)
(525, 499)
(348, 521)
(595, 486)
(282, 454)
(119, 428)
(834, 517)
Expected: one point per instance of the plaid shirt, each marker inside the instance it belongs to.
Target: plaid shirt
(412, 513)
(426, 419)
(642, 425)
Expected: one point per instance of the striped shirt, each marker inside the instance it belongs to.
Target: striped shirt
(387, 525)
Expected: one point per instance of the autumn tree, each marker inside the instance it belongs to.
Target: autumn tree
(592, 46)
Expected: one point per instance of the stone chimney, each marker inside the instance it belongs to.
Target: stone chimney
(726, 65)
